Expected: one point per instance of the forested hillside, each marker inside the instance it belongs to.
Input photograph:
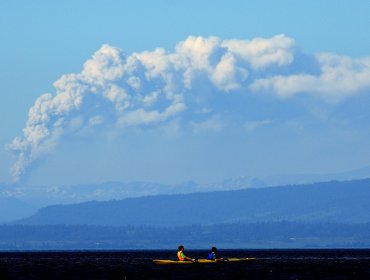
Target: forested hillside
(342, 202)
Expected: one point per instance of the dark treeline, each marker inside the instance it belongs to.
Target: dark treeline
(256, 235)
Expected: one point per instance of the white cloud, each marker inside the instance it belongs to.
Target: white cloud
(107, 64)
(339, 77)
(213, 124)
(227, 76)
(261, 53)
(157, 86)
(151, 98)
(251, 126)
(117, 96)
(96, 120)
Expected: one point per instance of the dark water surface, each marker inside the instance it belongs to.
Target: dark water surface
(270, 264)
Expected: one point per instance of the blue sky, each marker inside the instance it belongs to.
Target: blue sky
(256, 88)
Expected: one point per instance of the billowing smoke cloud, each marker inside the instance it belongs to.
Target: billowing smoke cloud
(154, 86)
(338, 77)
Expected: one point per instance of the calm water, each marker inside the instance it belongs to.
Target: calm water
(270, 264)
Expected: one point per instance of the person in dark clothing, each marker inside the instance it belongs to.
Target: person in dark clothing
(214, 256)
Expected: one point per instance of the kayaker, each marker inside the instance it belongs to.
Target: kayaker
(213, 255)
(181, 255)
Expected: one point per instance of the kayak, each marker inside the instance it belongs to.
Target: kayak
(205, 261)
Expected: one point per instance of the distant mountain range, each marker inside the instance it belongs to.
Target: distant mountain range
(27, 199)
(340, 202)
(19, 200)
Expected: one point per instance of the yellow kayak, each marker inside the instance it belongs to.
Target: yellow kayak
(228, 260)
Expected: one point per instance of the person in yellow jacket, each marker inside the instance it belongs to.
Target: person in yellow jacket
(181, 255)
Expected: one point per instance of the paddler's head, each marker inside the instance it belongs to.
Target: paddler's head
(181, 248)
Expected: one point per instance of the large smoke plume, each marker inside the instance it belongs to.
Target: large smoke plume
(154, 86)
